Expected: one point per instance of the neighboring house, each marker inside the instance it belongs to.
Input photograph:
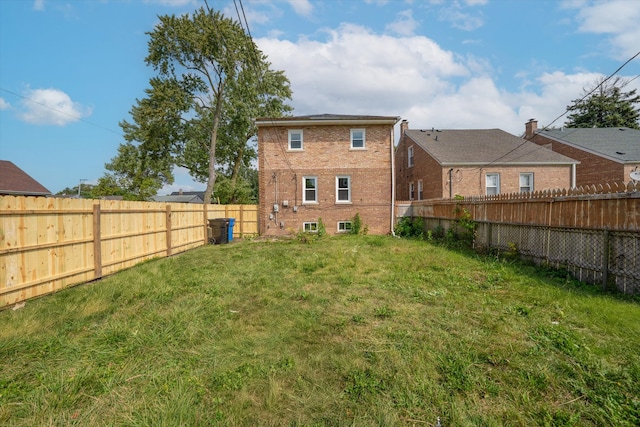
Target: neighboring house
(606, 155)
(328, 167)
(16, 182)
(188, 193)
(185, 198)
(432, 164)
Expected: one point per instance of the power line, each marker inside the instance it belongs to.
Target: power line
(75, 117)
(565, 111)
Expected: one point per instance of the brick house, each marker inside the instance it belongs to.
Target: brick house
(606, 155)
(16, 182)
(328, 167)
(433, 164)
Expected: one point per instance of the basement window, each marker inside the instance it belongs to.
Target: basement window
(310, 227)
(344, 226)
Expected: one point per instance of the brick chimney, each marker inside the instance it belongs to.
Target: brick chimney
(530, 129)
(180, 192)
(404, 125)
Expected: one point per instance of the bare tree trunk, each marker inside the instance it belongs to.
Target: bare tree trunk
(212, 145)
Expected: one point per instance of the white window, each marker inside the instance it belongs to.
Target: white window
(343, 189)
(412, 191)
(344, 226)
(526, 182)
(410, 155)
(310, 227)
(309, 189)
(357, 138)
(420, 190)
(295, 140)
(493, 184)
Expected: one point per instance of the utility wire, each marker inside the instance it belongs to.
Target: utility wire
(78, 118)
(565, 111)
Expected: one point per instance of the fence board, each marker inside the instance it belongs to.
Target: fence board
(565, 228)
(47, 244)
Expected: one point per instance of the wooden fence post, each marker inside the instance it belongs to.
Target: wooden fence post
(97, 245)
(206, 224)
(168, 227)
(605, 260)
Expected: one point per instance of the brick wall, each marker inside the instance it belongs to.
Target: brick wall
(424, 168)
(326, 154)
(467, 181)
(592, 169)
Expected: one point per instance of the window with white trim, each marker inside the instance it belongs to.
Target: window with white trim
(412, 191)
(526, 182)
(309, 189)
(310, 227)
(493, 184)
(344, 226)
(358, 137)
(343, 189)
(295, 139)
(420, 189)
(410, 155)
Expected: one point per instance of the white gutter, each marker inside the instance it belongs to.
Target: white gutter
(393, 182)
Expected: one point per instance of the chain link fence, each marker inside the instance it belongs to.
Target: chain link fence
(610, 259)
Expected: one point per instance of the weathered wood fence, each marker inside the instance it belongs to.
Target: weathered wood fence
(47, 244)
(592, 232)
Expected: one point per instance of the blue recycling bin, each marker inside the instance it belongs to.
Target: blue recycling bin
(232, 221)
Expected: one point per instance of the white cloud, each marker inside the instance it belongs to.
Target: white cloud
(617, 18)
(355, 71)
(4, 104)
(404, 24)
(51, 107)
(173, 3)
(38, 5)
(301, 7)
(459, 19)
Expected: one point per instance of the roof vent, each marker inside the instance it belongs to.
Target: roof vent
(621, 153)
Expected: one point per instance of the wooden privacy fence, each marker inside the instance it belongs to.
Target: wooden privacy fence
(47, 244)
(593, 232)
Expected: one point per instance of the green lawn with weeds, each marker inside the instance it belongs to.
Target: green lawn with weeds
(345, 331)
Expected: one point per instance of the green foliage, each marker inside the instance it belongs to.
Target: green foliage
(357, 227)
(211, 81)
(607, 106)
(410, 227)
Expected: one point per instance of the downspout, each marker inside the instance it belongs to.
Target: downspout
(573, 175)
(393, 184)
(450, 184)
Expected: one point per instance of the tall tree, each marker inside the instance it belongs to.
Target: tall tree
(606, 105)
(211, 81)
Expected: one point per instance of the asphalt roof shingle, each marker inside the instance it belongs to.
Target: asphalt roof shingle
(482, 147)
(622, 144)
(14, 180)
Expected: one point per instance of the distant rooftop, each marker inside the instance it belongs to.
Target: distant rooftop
(621, 144)
(15, 181)
(482, 147)
(326, 119)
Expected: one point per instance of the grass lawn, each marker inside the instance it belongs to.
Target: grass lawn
(348, 331)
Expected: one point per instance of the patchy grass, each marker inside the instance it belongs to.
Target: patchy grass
(356, 330)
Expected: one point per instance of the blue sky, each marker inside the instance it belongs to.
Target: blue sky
(71, 70)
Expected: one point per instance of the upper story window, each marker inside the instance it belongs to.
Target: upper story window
(358, 138)
(295, 140)
(526, 182)
(343, 189)
(410, 155)
(493, 184)
(309, 189)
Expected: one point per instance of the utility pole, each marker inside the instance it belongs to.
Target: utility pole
(80, 186)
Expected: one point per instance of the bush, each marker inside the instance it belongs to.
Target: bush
(410, 227)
